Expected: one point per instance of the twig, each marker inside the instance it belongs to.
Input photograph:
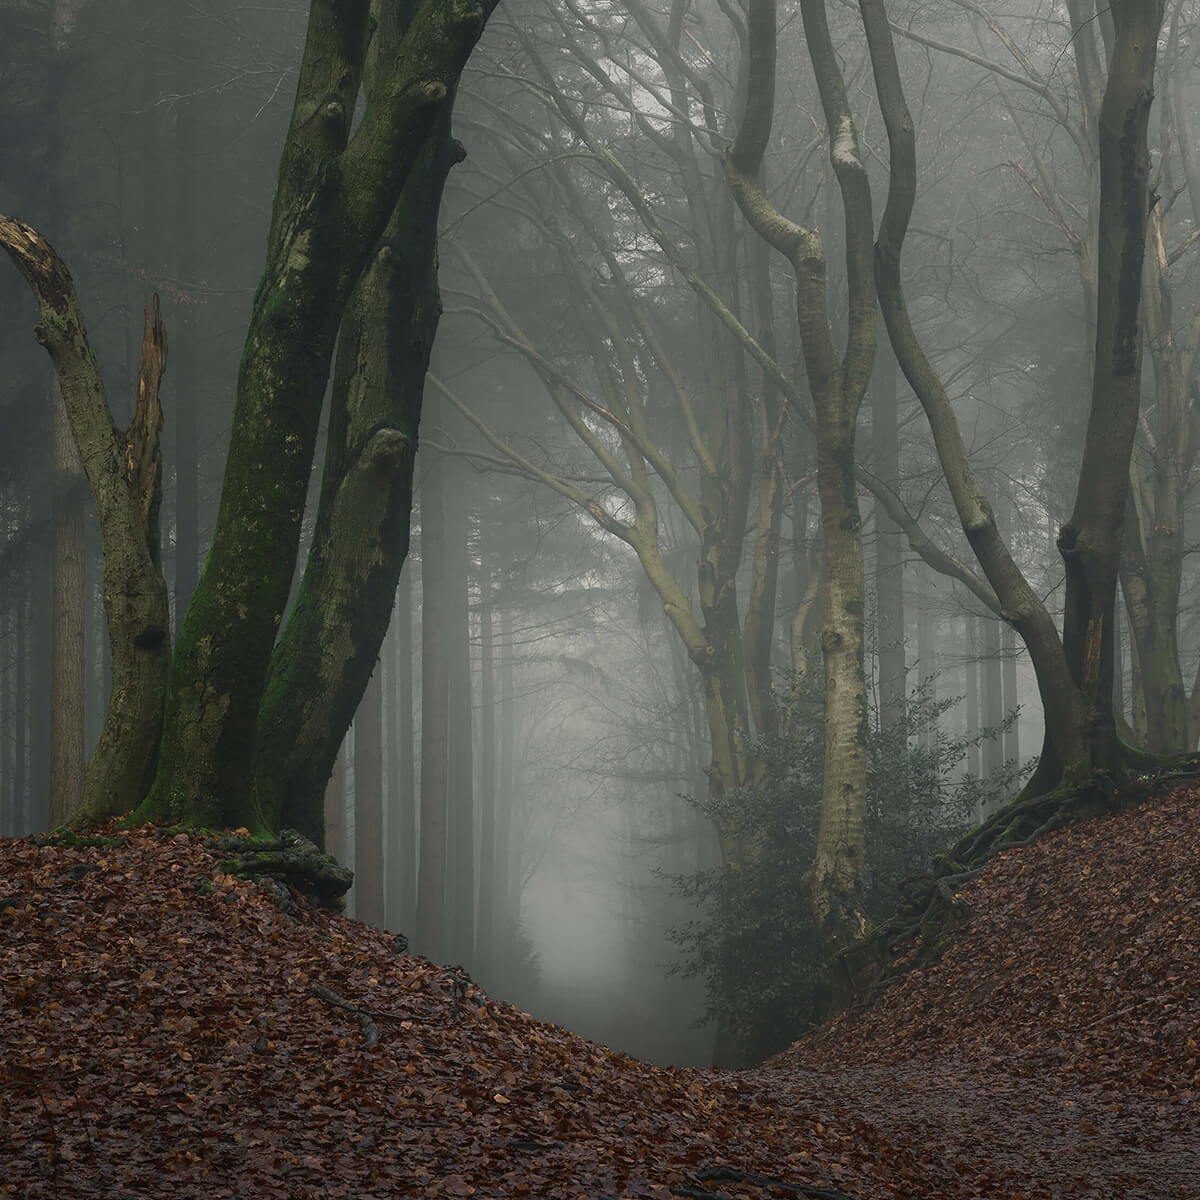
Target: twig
(369, 1028)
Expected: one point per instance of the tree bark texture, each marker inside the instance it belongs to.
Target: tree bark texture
(837, 389)
(333, 636)
(435, 717)
(334, 199)
(368, 805)
(889, 574)
(124, 469)
(1090, 543)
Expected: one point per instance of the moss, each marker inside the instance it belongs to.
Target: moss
(69, 839)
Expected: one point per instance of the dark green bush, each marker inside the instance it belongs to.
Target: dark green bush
(753, 942)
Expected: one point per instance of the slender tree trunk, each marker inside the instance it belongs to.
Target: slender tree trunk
(67, 488)
(1090, 543)
(368, 805)
(334, 812)
(67, 643)
(993, 695)
(971, 666)
(402, 817)
(187, 356)
(889, 577)
(460, 866)
(435, 716)
(486, 939)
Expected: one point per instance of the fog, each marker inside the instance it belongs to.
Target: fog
(616, 526)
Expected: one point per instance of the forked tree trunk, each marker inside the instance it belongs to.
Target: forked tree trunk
(333, 637)
(124, 470)
(835, 881)
(1074, 673)
(335, 196)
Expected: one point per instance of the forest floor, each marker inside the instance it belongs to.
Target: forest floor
(165, 1032)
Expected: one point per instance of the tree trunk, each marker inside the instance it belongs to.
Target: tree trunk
(488, 848)
(334, 633)
(66, 486)
(334, 199)
(187, 356)
(1090, 542)
(124, 470)
(1012, 735)
(889, 576)
(1074, 673)
(368, 805)
(401, 814)
(460, 861)
(993, 695)
(435, 717)
(334, 810)
(971, 671)
(67, 644)
(835, 881)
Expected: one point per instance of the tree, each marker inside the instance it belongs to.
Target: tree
(335, 197)
(1074, 673)
(837, 390)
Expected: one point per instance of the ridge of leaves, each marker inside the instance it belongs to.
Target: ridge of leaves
(165, 1031)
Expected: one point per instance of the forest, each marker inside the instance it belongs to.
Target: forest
(645, 502)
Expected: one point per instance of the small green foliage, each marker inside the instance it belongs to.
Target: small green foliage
(71, 840)
(753, 941)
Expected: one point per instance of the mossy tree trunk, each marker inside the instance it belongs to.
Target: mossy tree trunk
(334, 198)
(124, 470)
(332, 639)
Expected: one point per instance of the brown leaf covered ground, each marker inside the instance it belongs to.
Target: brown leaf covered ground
(156, 1041)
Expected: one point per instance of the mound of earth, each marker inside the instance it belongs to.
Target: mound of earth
(166, 1031)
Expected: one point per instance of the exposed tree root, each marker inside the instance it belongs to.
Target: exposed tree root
(290, 860)
(930, 909)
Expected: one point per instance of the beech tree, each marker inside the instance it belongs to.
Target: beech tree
(1075, 672)
(337, 195)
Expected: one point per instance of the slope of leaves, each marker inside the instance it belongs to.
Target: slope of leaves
(165, 1031)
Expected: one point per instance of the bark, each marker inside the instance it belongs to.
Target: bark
(1012, 735)
(837, 390)
(368, 805)
(333, 636)
(401, 815)
(488, 845)
(460, 858)
(993, 696)
(67, 691)
(435, 718)
(124, 470)
(1090, 542)
(66, 640)
(334, 810)
(334, 198)
(889, 576)
(187, 357)
(1074, 674)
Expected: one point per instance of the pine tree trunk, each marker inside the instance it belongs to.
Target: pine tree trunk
(431, 932)
(368, 805)
(460, 865)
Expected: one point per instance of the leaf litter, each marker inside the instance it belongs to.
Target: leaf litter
(166, 1032)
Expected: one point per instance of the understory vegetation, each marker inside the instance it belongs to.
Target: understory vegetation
(754, 946)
